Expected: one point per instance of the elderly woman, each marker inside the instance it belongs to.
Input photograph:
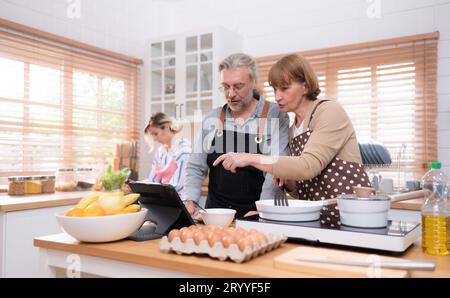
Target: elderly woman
(324, 156)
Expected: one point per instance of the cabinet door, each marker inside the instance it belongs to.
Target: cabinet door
(21, 257)
(199, 74)
(184, 74)
(163, 77)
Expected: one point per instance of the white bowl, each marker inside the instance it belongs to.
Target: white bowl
(365, 212)
(298, 210)
(221, 217)
(102, 228)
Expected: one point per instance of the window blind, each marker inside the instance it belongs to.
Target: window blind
(62, 106)
(388, 88)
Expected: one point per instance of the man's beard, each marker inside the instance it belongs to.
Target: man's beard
(241, 105)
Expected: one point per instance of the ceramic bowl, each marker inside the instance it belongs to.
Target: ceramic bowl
(221, 217)
(101, 228)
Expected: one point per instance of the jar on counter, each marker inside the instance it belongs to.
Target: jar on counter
(65, 180)
(16, 186)
(85, 178)
(48, 184)
(33, 185)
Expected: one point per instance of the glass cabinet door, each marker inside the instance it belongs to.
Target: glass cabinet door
(156, 68)
(182, 72)
(199, 74)
(163, 77)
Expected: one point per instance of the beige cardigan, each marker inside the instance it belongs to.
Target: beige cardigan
(332, 135)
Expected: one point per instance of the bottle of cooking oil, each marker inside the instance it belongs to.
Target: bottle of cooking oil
(435, 212)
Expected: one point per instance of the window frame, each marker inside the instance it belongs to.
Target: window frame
(33, 50)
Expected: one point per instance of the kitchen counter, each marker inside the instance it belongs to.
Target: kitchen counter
(144, 259)
(28, 202)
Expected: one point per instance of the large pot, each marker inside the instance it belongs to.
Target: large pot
(366, 212)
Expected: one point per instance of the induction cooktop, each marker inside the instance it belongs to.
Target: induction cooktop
(396, 237)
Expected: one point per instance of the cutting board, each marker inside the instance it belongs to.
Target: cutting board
(288, 261)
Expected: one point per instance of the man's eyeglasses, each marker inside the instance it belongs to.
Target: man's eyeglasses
(236, 88)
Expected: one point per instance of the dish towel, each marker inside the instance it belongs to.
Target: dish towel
(166, 173)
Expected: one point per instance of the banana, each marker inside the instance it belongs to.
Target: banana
(110, 202)
(131, 198)
(92, 205)
(87, 200)
(132, 208)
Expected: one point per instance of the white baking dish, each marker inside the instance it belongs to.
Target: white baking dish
(368, 212)
(298, 210)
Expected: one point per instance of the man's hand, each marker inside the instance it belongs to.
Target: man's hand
(231, 161)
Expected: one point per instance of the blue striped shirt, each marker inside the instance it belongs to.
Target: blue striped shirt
(180, 150)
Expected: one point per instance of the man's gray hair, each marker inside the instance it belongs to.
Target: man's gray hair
(237, 60)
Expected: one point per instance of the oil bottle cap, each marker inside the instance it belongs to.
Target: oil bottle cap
(435, 165)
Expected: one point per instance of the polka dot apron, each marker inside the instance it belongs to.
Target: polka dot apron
(337, 178)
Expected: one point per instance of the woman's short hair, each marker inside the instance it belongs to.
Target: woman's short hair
(162, 120)
(294, 68)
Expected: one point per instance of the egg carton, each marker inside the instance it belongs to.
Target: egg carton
(218, 251)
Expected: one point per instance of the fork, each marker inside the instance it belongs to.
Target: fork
(281, 200)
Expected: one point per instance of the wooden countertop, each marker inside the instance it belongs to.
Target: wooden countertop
(20, 203)
(148, 253)
(413, 205)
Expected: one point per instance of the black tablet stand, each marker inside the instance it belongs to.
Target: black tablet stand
(165, 210)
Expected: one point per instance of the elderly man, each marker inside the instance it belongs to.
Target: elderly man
(246, 123)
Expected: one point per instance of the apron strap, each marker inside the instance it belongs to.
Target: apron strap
(262, 120)
(314, 110)
(222, 119)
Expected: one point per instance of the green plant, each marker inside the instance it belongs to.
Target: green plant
(114, 180)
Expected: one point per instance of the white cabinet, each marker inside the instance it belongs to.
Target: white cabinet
(183, 71)
(19, 257)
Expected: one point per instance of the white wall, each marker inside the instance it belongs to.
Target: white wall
(116, 25)
(273, 27)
